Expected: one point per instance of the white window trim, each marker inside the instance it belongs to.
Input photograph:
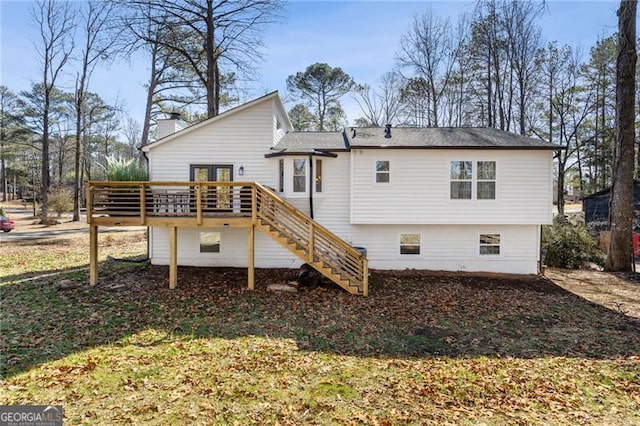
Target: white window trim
(291, 193)
(500, 245)
(420, 245)
(210, 254)
(375, 173)
(474, 181)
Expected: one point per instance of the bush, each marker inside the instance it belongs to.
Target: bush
(568, 245)
(120, 169)
(60, 200)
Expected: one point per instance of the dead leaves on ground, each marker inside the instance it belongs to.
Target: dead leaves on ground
(434, 347)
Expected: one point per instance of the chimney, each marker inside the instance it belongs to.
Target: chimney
(387, 131)
(168, 126)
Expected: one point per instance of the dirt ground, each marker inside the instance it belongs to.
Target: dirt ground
(618, 292)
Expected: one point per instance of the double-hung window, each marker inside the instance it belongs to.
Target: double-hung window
(465, 184)
(489, 244)
(383, 171)
(299, 175)
(486, 183)
(461, 180)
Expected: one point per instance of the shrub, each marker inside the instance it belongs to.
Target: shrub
(568, 245)
(120, 169)
(60, 200)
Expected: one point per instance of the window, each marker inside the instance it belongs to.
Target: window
(409, 243)
(210, 242)
(318, 175)
(467, 186)
(489, 243)
(299, 175)
(382, 171)
(281, 175)
(486, 180)
(461, 180)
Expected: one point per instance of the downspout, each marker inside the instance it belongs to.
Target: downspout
(146, 160)
(311, 180)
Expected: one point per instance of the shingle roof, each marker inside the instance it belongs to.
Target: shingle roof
(406, 137)
(442, 137)
(308, 142)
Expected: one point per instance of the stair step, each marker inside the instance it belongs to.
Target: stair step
(333, 269)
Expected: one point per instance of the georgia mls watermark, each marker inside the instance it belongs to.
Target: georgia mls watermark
(30, 415)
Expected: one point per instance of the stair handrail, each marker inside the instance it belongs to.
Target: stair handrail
(306, 218)
(361, 261)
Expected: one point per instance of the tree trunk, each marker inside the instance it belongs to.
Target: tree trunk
(212, 64)
(76, 180)
(621, 203)
(44, 187)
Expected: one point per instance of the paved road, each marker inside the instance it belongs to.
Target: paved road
(17, 235)
(52, 232)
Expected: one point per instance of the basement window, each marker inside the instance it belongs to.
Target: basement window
(210, 242)
(489, 244)
(409, 243)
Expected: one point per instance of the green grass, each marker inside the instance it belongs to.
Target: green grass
(423, 348)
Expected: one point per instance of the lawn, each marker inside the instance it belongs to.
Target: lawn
(433, 347)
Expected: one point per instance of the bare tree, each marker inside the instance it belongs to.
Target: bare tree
(97, 43)
(523, 40)
(620, 253)
(429, 49)
(381, 105)
(212, 38)
(55, 24)
(131, 131)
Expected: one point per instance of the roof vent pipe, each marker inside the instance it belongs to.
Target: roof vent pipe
(387, 131)
(353, 132)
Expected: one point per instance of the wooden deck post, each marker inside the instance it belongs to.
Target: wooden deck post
(365, 278)
(173, 257)
(251, 264)
(93, 255)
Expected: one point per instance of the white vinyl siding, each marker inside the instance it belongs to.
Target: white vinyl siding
(451, 247)
(420, 193)
(239, 139)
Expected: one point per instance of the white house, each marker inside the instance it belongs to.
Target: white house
(456, 199)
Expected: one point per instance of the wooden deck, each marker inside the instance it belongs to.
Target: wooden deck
(223, 204)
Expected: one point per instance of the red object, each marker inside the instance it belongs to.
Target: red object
(6, 224)
(635, 237)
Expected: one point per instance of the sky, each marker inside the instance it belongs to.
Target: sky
(361, 37)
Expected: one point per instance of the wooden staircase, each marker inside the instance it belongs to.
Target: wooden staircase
(310, 241)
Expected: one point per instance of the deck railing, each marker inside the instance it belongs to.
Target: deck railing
(246, 204)
(169, 199)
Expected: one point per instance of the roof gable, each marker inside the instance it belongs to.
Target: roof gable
(273, 96)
